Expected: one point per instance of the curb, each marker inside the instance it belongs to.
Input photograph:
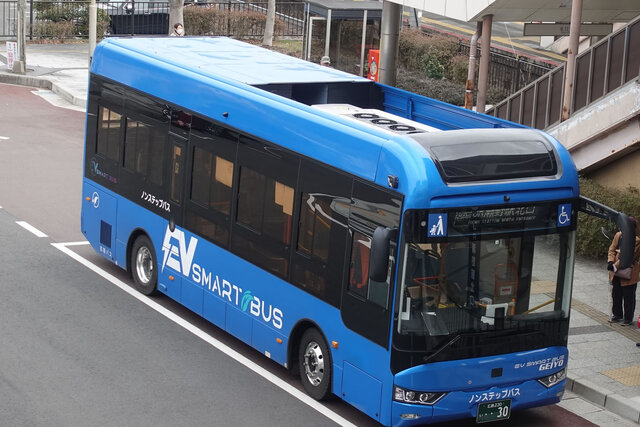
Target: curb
(42, 83)
(607, 399)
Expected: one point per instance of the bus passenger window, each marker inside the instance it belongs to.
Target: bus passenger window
(176, 174)
(211, 181)
(315, 227)
(266, 205)
(359, 266)
(144, 150)
(201, 176)
(108, 140)
(222, 185)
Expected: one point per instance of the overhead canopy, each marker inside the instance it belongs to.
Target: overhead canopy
(528, 10)
(346, 9)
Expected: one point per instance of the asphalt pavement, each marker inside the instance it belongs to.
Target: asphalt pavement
(604, 362)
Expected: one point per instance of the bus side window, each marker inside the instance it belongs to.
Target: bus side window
(210, 179)
(176, 173)
(359, 265)
(144, 148)
(108, 138)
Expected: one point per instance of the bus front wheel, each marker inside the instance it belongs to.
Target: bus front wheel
(143, 265)
(314, 361)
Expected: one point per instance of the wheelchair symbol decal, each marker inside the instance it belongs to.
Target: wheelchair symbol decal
(564, 215)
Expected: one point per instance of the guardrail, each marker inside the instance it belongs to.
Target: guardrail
(606, 66)
(68, 18)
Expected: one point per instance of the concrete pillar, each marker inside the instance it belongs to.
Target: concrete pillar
(485, 59)
(574, 38)
(471, 73)
(93, 23)
(327, 36)
(20, 63)
(363, 42)
(389, 39)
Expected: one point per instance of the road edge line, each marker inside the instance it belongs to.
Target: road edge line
(206, 337)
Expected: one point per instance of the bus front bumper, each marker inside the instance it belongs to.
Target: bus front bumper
(464, 404)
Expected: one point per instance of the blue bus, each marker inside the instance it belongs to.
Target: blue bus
(411, 257)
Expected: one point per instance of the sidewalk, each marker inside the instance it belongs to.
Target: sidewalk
(61, 68)
(604, 362)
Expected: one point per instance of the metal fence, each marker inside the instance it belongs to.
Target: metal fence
(510, 73)
(8, 18)
(599, 70)
(69, 18)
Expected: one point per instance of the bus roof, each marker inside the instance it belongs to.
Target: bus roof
(275, 97)
(225, 58)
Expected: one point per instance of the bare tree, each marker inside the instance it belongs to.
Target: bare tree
(268, 26)
(175, 14)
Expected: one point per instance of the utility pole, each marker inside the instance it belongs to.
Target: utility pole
(574, 38)
(93, 21)
(20, 66)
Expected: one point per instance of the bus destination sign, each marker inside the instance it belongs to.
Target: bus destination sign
(496, 220)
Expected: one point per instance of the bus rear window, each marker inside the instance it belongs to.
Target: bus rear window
(481, 161)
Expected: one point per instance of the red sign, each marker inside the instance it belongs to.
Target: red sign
(374, 62)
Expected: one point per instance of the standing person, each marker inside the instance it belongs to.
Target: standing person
(178, 30)
(623, 291)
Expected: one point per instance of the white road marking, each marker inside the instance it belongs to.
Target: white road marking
(304, 398)
(84, 242)
(31, 228)
(4, 138)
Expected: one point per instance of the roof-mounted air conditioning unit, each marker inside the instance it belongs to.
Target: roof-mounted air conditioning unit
(377, 118)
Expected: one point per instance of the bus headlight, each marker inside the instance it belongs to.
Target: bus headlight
(419, 397)
(553, 379)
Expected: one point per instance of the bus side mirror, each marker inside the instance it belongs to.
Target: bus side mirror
(380, 246)
(628, 240)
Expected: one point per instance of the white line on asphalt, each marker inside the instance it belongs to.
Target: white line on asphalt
(31, 228)
(207, 338)
(84, 242)
(4, 138)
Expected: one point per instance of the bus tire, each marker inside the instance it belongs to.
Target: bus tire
(315, 364)
(144, 266)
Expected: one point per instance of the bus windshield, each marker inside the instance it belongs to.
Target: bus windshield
(494, 282)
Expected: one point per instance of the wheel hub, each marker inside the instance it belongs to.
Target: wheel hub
(144, 265)
(314, 363)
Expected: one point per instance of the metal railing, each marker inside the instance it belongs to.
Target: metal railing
(69, 18)
(606, 66)
(8, 18)
(510, 73)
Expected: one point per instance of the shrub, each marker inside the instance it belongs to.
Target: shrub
(211, 21)
(57, 30)
(441, 89)
(459, 69)
(416, 50)
(590, 241)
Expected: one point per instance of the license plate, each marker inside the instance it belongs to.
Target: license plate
(494, 411)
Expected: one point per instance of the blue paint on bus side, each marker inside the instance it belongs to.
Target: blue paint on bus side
(256, 307)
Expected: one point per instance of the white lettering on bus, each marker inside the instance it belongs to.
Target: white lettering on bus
(179, 256)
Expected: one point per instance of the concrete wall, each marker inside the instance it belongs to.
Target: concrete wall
(620, 174)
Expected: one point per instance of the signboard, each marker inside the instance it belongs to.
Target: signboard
(374, 62)
(12, 54)
(506, 219)
(562, 29)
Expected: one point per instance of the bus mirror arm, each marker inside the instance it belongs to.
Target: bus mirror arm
(627, 245)
(380, 245)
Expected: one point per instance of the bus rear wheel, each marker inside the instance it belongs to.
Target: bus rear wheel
(315, 365)
(143, 266)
